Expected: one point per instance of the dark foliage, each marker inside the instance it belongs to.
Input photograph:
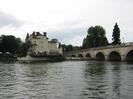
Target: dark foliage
(95, 37)
(14, 45)
(9, 44)
(68, 48)
(116, 35)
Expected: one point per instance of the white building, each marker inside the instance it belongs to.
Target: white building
(41, 46)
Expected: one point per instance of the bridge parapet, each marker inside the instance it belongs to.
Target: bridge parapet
(103, 47)
(122, 50)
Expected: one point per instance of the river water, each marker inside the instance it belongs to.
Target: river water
(66, 80)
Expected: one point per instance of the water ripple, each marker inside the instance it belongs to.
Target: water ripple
(66, 80)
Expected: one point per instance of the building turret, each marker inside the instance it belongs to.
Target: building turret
(27, 36)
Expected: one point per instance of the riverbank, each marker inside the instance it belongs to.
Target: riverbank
(7, 57)
(29, 58)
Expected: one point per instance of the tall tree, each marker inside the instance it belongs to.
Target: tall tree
(116, 35)
(95, 37)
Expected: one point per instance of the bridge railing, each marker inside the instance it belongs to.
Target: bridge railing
(103, 47)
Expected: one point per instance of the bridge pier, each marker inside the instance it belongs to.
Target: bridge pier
(106, 58)
(123, 57)
(122, 52)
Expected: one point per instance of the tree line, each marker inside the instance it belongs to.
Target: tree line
(96, 37)
(9, 43)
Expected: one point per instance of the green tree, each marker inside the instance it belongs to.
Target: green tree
(19, 43)
(14, 45)
(24, 48)
(9, 44)
(95, 37)
(116, 35)
(67, 48)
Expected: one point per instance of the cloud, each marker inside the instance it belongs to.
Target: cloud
(66, 20)
(9, 20)
(76, 40)
(72, 36)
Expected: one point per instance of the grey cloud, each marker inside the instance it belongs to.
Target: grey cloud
(68, 30)
(65, 35)
(9, 20)
(73, 23)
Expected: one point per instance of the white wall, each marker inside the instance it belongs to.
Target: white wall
(41, 44)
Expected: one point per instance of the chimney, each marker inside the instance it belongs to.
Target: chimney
(44, 33)
(34, 34)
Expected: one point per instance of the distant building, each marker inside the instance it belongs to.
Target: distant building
(41, 45)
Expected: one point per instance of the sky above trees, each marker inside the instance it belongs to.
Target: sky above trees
(66, 20)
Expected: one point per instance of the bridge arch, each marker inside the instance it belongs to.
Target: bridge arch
(80, 55)
(100, 56)
(129, 56)
(73, 55)
(88, 55)
(114, 56)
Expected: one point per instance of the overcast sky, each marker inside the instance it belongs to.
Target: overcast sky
(66, 20)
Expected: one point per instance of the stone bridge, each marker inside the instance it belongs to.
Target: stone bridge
(123, 52)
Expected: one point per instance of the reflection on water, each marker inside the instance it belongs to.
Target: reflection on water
(94, 75)
(66, 80)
